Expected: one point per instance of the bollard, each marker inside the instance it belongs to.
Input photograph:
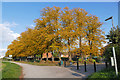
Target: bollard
(85, 66)
(94, 67)
(106, 64)
(77, 65)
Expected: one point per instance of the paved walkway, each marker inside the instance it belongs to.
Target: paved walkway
(89, 67)
(33, 71)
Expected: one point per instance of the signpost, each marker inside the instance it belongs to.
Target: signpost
(115, 61)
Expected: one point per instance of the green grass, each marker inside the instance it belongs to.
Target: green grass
(106, 74)
(42, 63)
(11, 70)
(0, 68)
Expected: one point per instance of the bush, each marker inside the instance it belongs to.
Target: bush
(92, 60)
(37, 60)
(107, 74)
(81, 60)
(72, 61)
(31, 60)
(87, 61)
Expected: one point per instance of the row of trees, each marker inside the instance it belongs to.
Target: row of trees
(60, 30)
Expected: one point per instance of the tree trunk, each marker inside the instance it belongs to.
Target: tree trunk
(52, 58)
(70, 58)
(26, 59)
(47, 57)
(82, 56)
(20, 59)
(69, 54)
(90, 45)
(59, 56)
(34, 57)
(41, 57)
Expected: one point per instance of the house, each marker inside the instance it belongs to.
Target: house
(47, 55)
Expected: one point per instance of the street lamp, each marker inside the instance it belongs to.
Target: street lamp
(109, 19)
(113, 47)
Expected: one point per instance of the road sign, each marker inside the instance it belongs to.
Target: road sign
(112, 61)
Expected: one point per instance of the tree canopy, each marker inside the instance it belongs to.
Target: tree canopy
(60, 30)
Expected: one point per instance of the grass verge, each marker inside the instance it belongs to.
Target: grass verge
(106, 74)
(42, 63)
(10, 71)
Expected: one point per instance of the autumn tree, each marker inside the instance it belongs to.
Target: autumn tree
(80, 19)
(59, 30)
(51, 22)
(94, 35)
(67, 31)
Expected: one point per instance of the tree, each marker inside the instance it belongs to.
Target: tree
(67, 31)
(80, 18)
(50, 21)
(114, 41)
(94, 36)
(59, 30)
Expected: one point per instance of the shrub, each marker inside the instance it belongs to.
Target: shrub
(92, 60)
(72, 61)
(81, 60)
(37, 60)
(106, 74)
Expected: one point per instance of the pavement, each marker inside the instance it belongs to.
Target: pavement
(89, 69)
(33, 71)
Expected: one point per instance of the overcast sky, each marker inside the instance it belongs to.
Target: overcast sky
(16, 16)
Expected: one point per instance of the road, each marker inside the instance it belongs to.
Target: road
(33, 71)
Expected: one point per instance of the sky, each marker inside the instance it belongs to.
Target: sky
(17, 16)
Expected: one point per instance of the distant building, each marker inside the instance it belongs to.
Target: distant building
(50, 55)
(45, 55)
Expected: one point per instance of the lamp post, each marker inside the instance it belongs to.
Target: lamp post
(113, 47)
(109, 19)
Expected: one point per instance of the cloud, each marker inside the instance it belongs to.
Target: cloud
(7, 36)
(32, 25)
(2, 52)
(7, 24)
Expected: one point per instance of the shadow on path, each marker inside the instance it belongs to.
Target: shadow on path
(81, 72)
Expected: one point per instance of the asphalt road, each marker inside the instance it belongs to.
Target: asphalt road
(33, 71)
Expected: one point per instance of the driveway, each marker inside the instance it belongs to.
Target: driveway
(33, 71)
